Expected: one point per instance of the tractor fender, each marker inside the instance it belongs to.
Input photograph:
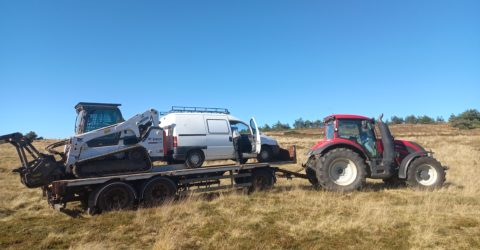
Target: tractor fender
(343, 144)
(402, 171)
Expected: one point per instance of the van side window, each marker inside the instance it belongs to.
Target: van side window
(217, 126)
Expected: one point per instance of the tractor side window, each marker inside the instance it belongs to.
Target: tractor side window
(329, 130)
(100, 118)
(360, 131)
(349, 129)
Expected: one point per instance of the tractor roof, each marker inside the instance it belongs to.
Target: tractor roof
(346, 116)
(87, 105)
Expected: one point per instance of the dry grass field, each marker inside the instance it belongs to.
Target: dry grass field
(293, 215)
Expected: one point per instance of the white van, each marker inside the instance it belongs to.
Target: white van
(195, 134)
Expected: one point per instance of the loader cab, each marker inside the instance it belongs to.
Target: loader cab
(92, 116)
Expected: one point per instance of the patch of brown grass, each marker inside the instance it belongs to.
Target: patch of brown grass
(292, 215)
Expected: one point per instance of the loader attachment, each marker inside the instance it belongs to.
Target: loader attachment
(38, 169)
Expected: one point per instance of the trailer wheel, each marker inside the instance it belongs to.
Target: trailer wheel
(262, 179)
(113, 196)
(158, 190)
(195, 158)
(341, 170)
(425, 173)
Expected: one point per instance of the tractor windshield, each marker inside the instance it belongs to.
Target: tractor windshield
(329, 130)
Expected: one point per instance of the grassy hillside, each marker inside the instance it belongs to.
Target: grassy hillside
(292, 215)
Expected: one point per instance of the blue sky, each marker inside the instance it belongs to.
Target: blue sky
(275, 60)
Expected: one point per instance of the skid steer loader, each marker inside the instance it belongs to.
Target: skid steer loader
(96, 150)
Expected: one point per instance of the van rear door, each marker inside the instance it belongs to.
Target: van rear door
(256, 136)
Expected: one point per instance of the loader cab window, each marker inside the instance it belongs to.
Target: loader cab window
(99, 118)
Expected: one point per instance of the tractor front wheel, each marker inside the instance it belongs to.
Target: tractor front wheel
(341, 170)
(425, 173)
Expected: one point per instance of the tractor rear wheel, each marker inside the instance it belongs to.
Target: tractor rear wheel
(310, 172)
(341, 170)
(425, 173)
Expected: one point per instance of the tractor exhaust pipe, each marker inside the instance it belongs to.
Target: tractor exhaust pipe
(388, 148)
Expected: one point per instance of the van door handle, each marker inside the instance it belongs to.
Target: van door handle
(230, 138)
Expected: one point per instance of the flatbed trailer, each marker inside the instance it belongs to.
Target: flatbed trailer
(160, 184)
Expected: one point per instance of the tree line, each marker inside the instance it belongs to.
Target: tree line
(468, 119)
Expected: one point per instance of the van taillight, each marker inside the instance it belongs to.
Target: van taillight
(174, 141)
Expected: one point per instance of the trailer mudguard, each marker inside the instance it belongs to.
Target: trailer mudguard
(402, 171)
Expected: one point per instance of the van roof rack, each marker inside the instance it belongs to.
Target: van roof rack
(178, 109)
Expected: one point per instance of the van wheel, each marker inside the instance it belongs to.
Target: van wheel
(265, 154)
(195, 159)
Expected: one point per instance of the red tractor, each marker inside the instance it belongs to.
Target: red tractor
(351, 151)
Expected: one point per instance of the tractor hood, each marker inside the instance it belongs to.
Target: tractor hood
(408, 146)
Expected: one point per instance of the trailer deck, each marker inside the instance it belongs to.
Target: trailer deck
(163, 182)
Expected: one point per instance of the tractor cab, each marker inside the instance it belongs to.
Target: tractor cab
(358, 132)
(357, 129)
(92, 116)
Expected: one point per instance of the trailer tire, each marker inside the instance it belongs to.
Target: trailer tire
(341, 170)
(158, 190)
(195, 158)
(425, 173)
(112, 196)
(262, 179)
